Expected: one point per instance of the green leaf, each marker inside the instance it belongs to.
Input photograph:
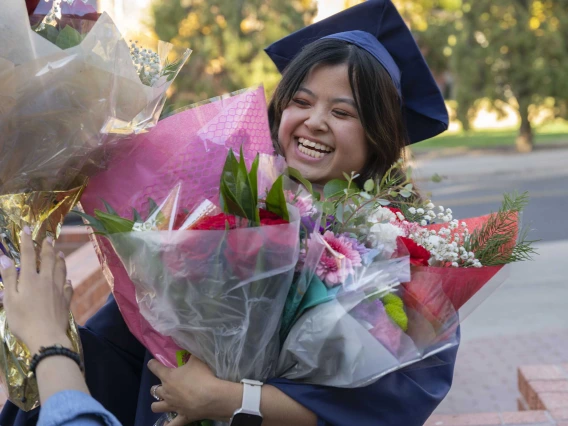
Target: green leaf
(334, 188)
(383, 202)
(114, 224)
(68, 37)
(436, 178)
(328, 207)
(404, 193)
(369, 185)
(152, 207)
(229, 201)
(136, 216)
(339, 213)
(229, 176)
(294, 173)
(50, 33)
(276, 201)
(109, 208)
(93, 222)
(346, 176)
(245, 194)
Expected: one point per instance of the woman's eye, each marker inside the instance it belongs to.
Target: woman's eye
(300, 102)
(341, 113)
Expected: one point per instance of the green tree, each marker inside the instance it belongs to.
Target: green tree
(512, 52)
(227, 38)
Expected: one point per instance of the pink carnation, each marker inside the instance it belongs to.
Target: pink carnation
(336, 264)
(304, 204)
(408, 228)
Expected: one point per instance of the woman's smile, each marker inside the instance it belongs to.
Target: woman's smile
(320, 132)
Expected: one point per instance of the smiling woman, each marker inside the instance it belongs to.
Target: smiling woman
(336, 95)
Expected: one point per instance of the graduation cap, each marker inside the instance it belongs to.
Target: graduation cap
(377, 27)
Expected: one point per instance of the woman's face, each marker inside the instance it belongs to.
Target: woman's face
(320, 132)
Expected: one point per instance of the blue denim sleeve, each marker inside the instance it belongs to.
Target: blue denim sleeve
(74, 408)
(406, 397)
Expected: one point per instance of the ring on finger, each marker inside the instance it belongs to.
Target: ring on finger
(154, 394)
(171, 415)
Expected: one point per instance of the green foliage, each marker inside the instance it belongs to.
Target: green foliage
(276, 201)
(65, 39)
(227, 38)
(392, 299)
(494, 243)
(397, 315)
(239, 192)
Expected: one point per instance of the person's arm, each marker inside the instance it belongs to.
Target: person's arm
(37, 311)
(405, 397)
(196, 394)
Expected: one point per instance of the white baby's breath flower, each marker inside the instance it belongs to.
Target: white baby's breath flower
(420, 211)
(423, 223)
(412, 210)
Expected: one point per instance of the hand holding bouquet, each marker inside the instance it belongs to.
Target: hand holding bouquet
(65, 97)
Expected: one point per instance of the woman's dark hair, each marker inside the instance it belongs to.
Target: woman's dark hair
(378, 102)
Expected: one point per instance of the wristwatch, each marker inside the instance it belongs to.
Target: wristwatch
(249, 413)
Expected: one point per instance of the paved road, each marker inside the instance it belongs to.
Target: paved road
(526, 320)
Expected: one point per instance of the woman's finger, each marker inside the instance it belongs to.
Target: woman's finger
(158, 369)
(60, 271)
(9, 276)
(161, 407)
(68, 292)
(47, 259)
(28, 262)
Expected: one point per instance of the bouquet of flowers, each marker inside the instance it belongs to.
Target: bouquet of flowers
(216, 282)
(362, 325)
(188, 147)
(66, 96)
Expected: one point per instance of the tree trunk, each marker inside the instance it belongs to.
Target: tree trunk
(525, 138)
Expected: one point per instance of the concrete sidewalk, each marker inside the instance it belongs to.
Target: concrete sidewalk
(524, 322)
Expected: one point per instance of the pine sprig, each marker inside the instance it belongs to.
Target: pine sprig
(499, 240)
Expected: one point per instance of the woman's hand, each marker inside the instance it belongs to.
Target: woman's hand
(37, 303)
(194, 393)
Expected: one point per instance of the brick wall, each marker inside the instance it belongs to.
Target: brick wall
(543, 402)
(90, 288)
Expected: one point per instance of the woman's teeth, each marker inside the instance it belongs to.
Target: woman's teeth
(313, 149)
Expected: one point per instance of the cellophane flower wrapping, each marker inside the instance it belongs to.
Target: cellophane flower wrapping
(188, 147)
(351, 335)
(218, 293)
(59, 111)
(353, 331)
(464, 288)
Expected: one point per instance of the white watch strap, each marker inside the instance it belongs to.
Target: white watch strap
(251, 395)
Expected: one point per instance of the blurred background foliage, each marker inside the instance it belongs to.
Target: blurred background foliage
(503, 56)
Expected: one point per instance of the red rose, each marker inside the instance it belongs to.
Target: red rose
(216, 223)
(269, 218)
(418, 254)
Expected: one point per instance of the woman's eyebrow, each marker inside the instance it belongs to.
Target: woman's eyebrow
(345, 101)
(308, 91)
(348, 101)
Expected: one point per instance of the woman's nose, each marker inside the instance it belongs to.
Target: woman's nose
(317, 121)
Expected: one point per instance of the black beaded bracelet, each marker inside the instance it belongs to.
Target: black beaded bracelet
(55, 350)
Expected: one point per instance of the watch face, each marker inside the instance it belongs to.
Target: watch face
(243, 419)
